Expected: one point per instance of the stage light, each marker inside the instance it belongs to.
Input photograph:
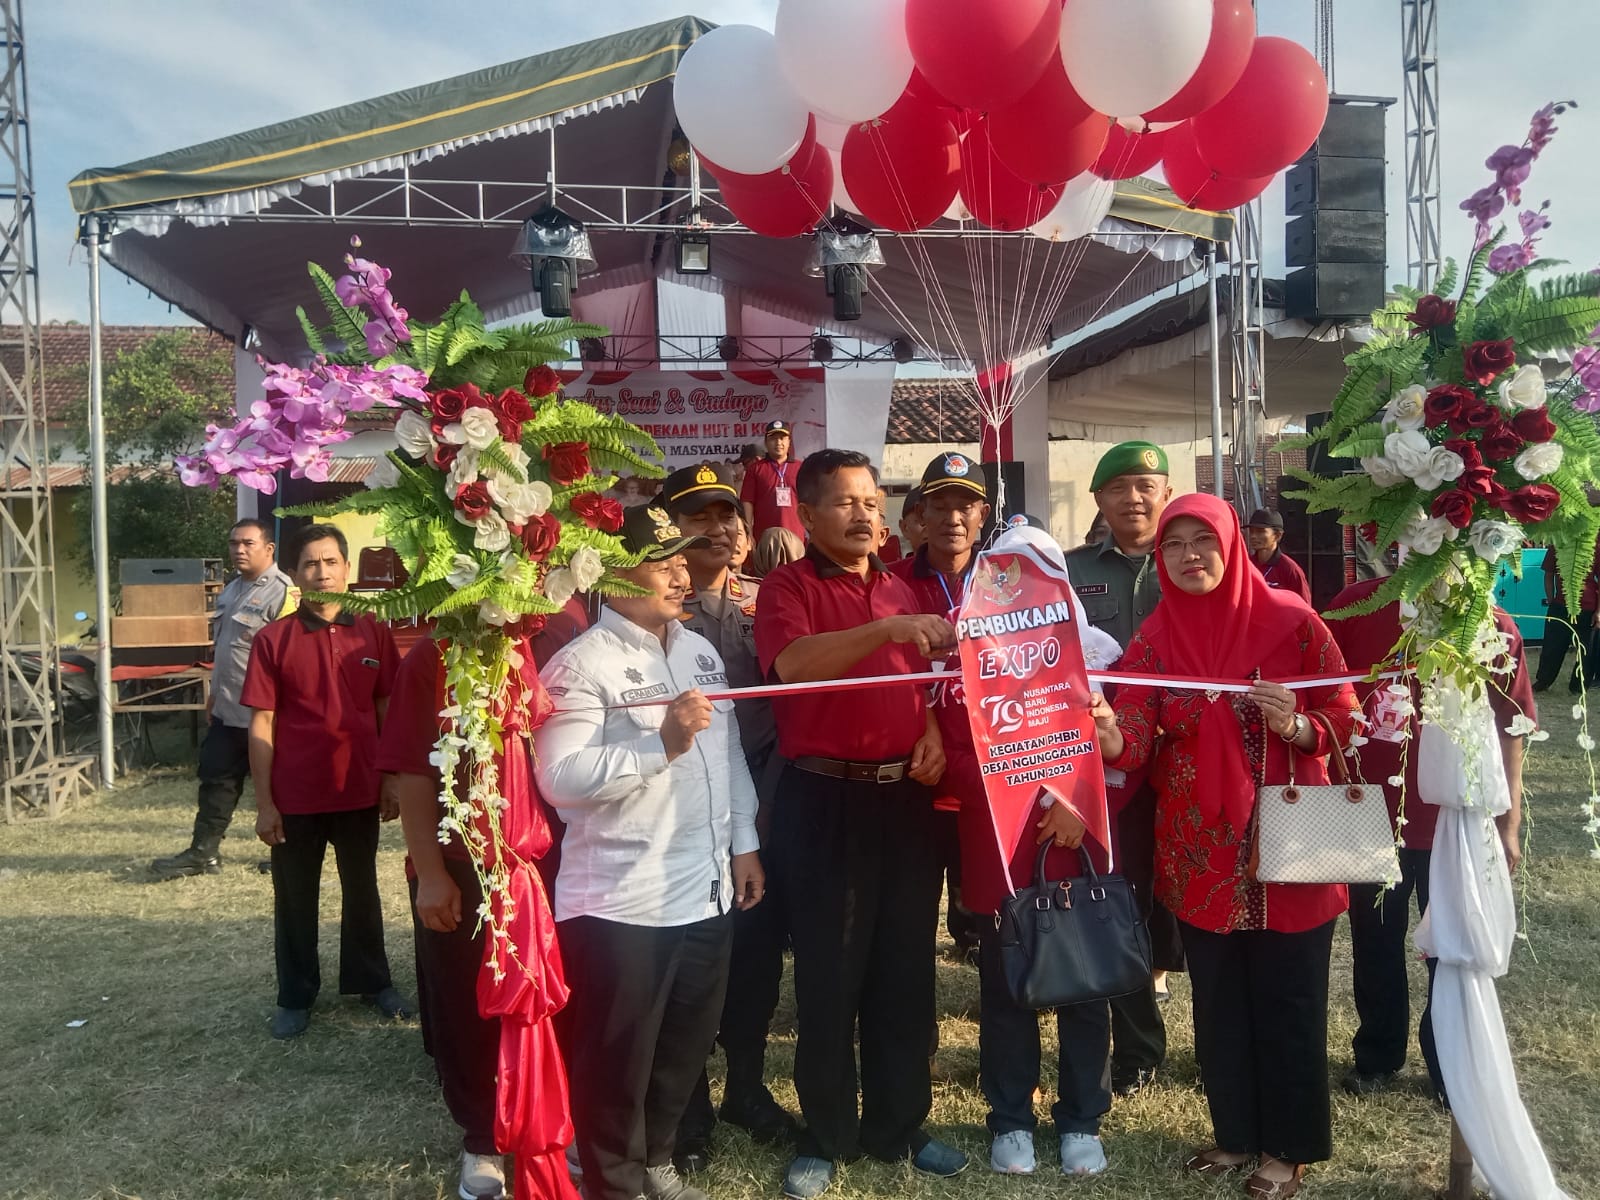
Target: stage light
(728, 348)
(694, 253)
(843, 255)
(557, 251)
(822, 348)
(903, 349)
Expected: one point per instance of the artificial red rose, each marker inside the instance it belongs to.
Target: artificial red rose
(473, 500)
(1534, 424)
(1485, 360)
(1454, 506)
(1481, 481)
(1478, 415)
(569, 461)
(444, 453)
(527, 626)
(473, 397)
(586, 507)
(540, 535)
(611, 514)
(1432, 312)
(1446, 402)
(511, 409)
(541, 381)
(1532, 504)
(447, 405)
(1467, 449)
(1501, 441)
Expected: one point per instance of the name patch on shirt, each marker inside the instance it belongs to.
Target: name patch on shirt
(704, 680)
(1093, 589)
(634, 695)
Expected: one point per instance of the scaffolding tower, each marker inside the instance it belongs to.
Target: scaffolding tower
(1419, 55)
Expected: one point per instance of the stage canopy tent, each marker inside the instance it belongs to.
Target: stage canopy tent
(437, 180)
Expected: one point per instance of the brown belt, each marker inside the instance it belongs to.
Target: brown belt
(855, 772)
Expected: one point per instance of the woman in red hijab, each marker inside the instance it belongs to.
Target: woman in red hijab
(1258, 953)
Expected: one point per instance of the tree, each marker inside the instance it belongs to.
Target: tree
(158, 399)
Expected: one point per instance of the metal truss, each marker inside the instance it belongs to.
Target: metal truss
(708, 350)
(1247, 336)
(31, 775)
(1419, 37)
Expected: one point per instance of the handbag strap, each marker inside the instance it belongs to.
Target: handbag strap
(1040, 882)
(1341, 769)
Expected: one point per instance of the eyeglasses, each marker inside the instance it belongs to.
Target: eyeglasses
(1201, 544)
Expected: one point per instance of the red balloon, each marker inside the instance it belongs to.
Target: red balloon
(995, 196)
(788, 206)
(1194, 182)
(1270, 117)
(1233, 34)
(1050, 134)
(983, 54)
(799, 162)
(920, 89)
(1128, 154)
(903, 169)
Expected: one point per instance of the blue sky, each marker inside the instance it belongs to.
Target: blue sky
(112, 81)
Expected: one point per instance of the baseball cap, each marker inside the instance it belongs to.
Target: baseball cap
(1265, 518)
(648, 530)
(751, 453)
(1024, 520)
(953, 469)
(778, 427)
(690, 489)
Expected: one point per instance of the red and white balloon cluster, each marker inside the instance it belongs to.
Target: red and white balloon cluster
(1016, 112)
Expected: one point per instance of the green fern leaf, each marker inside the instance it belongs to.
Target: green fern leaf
(1447, 278)
(347, 324)
(313, 337)
(494, 458)
(1557, 324)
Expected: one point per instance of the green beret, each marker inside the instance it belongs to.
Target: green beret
(1130, 458)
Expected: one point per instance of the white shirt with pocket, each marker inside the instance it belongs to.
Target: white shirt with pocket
(647, 842)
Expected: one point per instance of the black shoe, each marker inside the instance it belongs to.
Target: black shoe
(1365, 1083)
(391, 1004)
(193, 861)
(1131, 1081)
(290, 1022)
(692, 1157)
(762, 1117)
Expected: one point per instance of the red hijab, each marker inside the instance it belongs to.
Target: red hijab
(1223, 635)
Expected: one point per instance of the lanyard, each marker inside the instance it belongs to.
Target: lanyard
(949, 599)
(782, 469)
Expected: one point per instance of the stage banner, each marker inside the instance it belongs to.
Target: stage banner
(1027, 692)
(698, 416)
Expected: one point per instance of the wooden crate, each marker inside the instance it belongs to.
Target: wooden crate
(161, 631)
(167, 599)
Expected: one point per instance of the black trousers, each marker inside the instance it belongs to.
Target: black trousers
(1380, 920)
(1138, 1031)
(465, 1044)
(1261, 1035)
(860, 876)
(296, 887)
(224, 764)
(1558, 639)
(962, 924)
(643, 1016)
(1008, 1054)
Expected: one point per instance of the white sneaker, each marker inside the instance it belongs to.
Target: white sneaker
(1012, 1153)
(483, 1177)
(1082, 1154)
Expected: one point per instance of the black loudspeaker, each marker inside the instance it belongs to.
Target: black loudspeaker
(1337, 232)
(1015, 495)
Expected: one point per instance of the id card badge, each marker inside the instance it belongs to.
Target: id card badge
(783, 497)
(1389, 716)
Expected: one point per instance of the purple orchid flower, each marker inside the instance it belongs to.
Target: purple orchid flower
(195, 472)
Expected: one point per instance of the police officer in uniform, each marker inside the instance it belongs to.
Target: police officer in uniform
(721, 607)
(1119, 585)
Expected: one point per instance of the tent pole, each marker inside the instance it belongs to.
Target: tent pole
(1216, 370)
(94, 235)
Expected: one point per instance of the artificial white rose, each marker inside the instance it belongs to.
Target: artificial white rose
(1524, 389)
(383, 474)
(586, 568)
(413, 434)
(492, 614)
(463, 570)
(479, 427)
(559, 586)
(1382, 471)
(517, 455)
(1407, 452)
(1405, 411)
(492, 534)
(1493, 540)
(519, 502)
(463, 470)
(1426, 534)
(1539, 460)
(1441, 466)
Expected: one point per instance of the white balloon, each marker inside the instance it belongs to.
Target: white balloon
(841, 194)
(734, 104)
(831, 133)
(1125, 57)
(849, 59)
(1081, 208)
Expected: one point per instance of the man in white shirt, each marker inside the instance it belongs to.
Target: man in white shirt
(660, 848)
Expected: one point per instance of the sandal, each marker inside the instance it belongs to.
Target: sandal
(1212, 1162)
(1259, 1187)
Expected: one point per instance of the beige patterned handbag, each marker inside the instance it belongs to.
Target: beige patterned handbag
(1324, 833)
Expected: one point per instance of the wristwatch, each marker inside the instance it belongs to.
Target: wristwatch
(1301, 724)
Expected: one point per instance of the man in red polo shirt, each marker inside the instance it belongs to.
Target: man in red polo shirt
(852, 830)
(1378, 927)
(768, 491)
(1265, 532)
(319, 682)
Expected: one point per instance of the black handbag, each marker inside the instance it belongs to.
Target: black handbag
(1073, 941)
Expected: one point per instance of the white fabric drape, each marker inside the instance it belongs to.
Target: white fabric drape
(1470, 927)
